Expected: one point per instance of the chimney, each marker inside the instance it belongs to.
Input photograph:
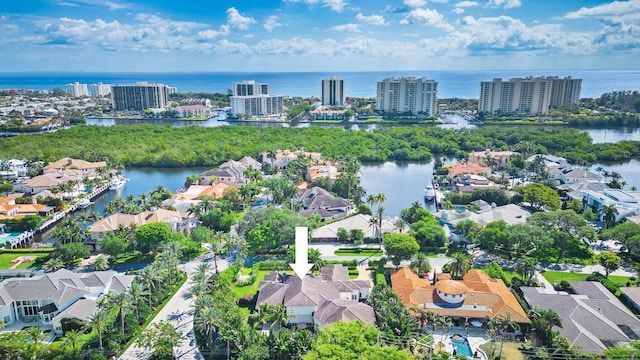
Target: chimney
(34, 201)
(69, 161)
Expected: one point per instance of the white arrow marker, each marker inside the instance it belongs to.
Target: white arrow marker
(301, 267)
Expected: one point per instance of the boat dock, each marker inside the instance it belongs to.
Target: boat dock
(61, 215)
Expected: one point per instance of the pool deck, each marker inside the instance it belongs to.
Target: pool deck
(476, 338)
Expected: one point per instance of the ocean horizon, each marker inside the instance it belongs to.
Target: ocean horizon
(451, 84)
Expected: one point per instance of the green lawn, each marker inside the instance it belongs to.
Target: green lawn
(557, 276)
(5, 259)
(359, 252)
(135, 257)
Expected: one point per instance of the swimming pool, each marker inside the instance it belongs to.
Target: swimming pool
(7, 237)
(461, 345)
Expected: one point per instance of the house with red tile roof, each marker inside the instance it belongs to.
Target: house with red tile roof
(473, 299)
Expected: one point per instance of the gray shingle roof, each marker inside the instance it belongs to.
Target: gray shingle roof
(592, 319)
(344, 310)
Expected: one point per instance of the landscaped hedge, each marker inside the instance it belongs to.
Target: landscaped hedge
(349, 264)
(26, 251)
(271, 265)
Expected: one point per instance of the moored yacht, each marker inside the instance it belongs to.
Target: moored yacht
(429, 192)
(118, 183)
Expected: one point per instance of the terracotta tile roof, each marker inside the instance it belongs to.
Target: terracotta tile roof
(75, 163)
(485, 296)
(469, 168)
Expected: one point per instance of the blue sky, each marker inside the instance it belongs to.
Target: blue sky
(317, 35)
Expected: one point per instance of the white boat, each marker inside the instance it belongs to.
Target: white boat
(118, 183)
(429, 192)
(84, 203)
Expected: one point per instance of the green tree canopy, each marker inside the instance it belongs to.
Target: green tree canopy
(541, 197)
(400, 247)
(353, 340)
(610, 262)
(151, 236)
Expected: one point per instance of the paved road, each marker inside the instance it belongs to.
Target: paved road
(179, 313)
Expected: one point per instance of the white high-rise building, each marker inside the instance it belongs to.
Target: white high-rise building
(250, 88)
(333, 92)
(140, 97)
(100, 89)
(77, 90)
(530, 95)
(408, 95)
(251, 98)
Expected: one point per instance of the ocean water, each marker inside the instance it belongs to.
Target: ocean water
(461, 84)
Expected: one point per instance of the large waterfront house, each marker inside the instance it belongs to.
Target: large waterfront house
(281, 158)
(230, 172)
(74, 164)
(500, 159)
(593, 319)
(472, 300)
(177, 221)
(9, 208)
(317, 300)
(468, 167)
(511, 214)
(50, 298)
(318, 201)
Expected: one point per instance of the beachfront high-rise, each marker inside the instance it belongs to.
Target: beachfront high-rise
(333, 92)
(250, 88)
(251, 98)
(140, 96)
(408, 95)
(100, 89)
(77, 90)
(530, 95)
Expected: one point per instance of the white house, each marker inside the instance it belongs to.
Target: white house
(40, 300)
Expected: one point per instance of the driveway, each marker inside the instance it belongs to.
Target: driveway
(179, 313)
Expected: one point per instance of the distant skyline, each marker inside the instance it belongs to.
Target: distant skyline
(317, 35)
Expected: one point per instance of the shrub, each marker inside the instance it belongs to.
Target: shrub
(271, 265)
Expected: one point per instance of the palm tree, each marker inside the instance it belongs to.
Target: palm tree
(315, 259)
(526, 267)
(137, 291)
(36, 335)
(201, 304)
(206, 323)
(543, 322)
(100, 263)
(207, 203)
(195, 209)
(148, 276)
(261, 316)
(220, 244)
(609, 213)
(278, 315)
(460, 265)
(71, 339)
(98, 321)
(52, 265)
(121, 301)
(420, 264)
(202, 269)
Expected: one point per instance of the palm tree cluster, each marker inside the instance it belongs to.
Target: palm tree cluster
(69, 230)
(272, 315)
(376, 220)
(132, 205)
(392, 316)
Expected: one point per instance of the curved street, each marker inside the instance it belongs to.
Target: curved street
(179, 313)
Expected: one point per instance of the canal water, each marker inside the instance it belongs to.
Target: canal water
(402, 182)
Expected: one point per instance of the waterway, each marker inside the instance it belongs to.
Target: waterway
(401, 182)
(599, 135)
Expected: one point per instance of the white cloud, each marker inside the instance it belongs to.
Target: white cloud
(271, 23)
(372, 19)
(616, 8)
(467, 3)
(440, 1)
(346, 27)
(458, 10)
(334, 5)
(426, 16)
(212, 34)
(236, 20)
(507, 4)
(415, 3)
(116, 6)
